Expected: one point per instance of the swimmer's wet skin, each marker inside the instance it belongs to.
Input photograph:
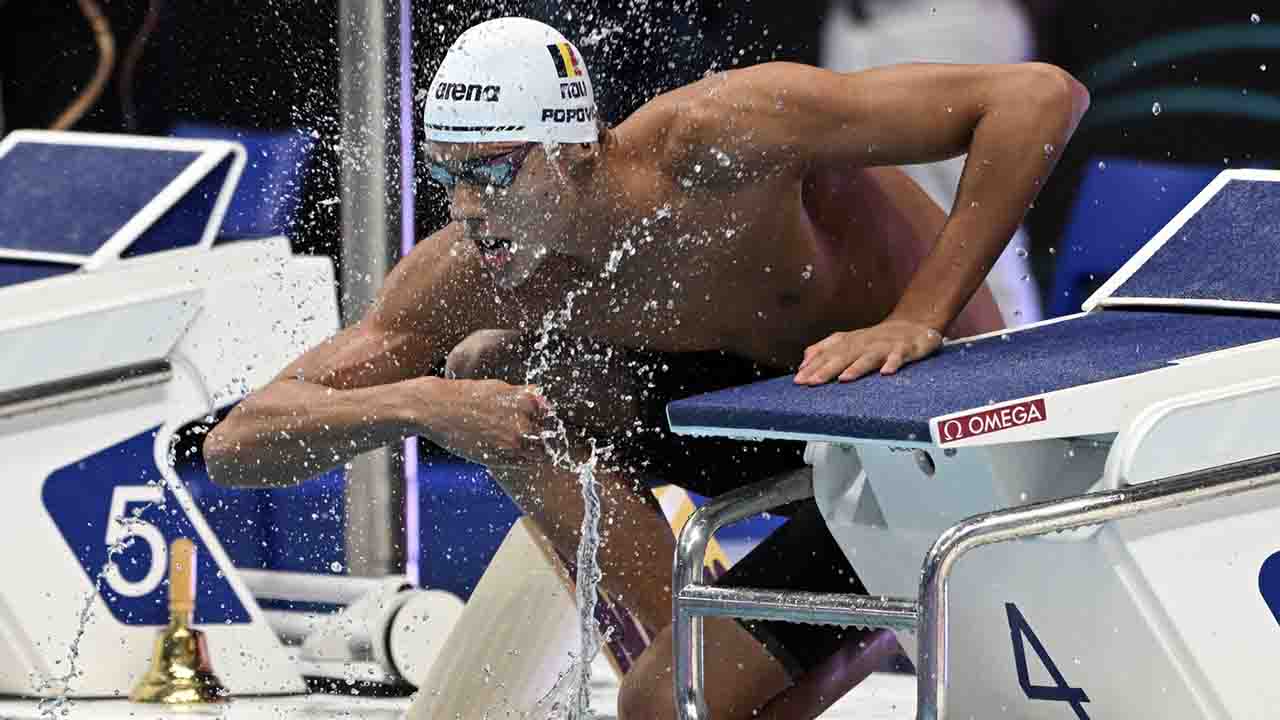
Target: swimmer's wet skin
(752, 220)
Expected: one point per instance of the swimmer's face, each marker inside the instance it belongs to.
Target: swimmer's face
(512, 201)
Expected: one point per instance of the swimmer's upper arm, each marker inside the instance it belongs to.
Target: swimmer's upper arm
(427, 305)
(786, 114)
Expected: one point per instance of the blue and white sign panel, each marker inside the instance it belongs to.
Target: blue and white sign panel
(118, 518)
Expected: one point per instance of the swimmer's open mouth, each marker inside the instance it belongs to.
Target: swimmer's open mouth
(495, 252)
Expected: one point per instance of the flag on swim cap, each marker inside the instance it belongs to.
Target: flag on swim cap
(511, 79)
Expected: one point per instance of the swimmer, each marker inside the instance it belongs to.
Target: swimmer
(749, 225)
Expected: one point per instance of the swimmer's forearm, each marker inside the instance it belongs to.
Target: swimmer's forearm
(293, 430)
(1015, 147)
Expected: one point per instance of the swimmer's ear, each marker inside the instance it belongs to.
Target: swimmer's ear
(580, 157)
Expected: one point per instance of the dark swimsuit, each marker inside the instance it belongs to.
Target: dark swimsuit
(799, 555)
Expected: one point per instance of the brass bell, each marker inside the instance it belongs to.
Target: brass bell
(180, 673)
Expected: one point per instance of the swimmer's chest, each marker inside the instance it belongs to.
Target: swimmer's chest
(750, 271)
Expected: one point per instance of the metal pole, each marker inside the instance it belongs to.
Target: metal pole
(691, 553)
(370, 44)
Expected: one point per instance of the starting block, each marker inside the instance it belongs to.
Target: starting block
(1094, 498)
(122, 325)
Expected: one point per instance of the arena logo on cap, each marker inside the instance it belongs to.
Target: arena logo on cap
(467, 91)
(993, 420)
(566, 60)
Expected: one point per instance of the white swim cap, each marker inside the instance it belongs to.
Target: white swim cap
(511, 79)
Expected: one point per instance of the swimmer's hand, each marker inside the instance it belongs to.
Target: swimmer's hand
(850, 355)
(490, 422)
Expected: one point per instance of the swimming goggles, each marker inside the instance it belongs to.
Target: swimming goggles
(496, 170)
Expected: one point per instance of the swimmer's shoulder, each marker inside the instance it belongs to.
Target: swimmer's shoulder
(706, 119)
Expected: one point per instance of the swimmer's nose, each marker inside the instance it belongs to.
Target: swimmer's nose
(464, 204)
(472, 227)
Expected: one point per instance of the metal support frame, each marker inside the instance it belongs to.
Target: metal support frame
(370, 36)
(928, 614)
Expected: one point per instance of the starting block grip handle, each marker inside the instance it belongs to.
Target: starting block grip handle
(182, 578)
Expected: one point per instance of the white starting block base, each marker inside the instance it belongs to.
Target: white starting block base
(84, 459)
(1157, 616)
(1143, 429)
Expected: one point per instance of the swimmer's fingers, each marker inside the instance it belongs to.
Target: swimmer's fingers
(536, 423)
(888, 347)
(893, 363)
(494, 423)
(850, 359)
(906, 352)
(864, 365)
(821, 361)
(825, 362)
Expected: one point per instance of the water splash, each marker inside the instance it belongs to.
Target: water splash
(61, 704)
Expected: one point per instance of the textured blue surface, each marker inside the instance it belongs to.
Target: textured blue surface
(71, 198)
(1227, 251)
(1119, 206)
(1089, 349)
(183, 224)
(15, 272)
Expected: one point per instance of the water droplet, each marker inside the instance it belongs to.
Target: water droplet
(1021, 252)
(1048, 150)
(808, 272)
(1263, 67)
(722, 158)
(1102, 165)
(1155, 108)
(335, 566)
(1255, 18)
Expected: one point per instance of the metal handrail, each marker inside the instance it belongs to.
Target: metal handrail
(693, 599)
(1049, 517)
(691, 554)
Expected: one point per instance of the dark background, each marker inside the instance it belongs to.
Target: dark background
(274, 64)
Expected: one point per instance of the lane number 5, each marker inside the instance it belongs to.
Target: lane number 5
(125, 528)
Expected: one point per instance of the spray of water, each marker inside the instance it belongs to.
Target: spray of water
(60, 705)
(570, 698)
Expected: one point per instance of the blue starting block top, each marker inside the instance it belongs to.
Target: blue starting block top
(71, 200)
(1218, 252)
(1211, 283)
(1035, 361)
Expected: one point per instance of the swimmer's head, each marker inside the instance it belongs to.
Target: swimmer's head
(510, 115)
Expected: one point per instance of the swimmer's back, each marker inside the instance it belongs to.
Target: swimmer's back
(766, 255)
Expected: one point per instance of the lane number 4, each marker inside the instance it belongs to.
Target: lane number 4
(1020, 633)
